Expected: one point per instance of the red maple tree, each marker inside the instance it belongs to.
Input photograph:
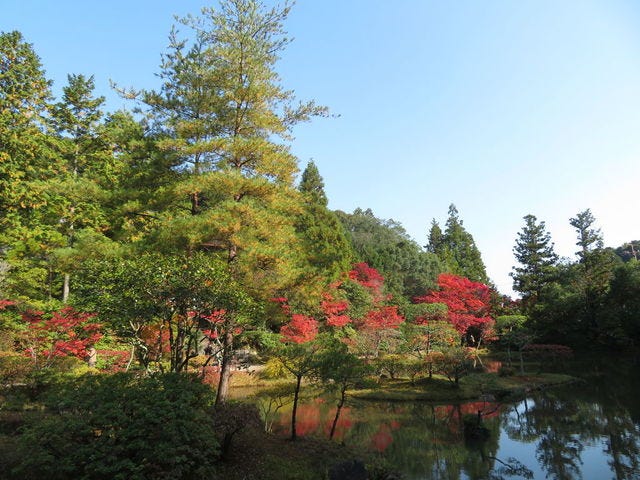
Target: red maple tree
(368, 277)
(468, 305)
(62, 333)
(301, 329)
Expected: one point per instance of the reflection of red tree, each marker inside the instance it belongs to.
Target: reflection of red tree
(452, 414)
(307, 419)
(381, 440)
(344, 423)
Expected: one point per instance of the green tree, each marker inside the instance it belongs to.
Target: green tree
(386, 246)
(312, 185)
(78, 189)
(328, 252)
(340, 370)
(225, 119)
(534, 252)
(620, 318)
(459, 250)
(595, 268)
(436, 238)
(27, 161)
(184, 295)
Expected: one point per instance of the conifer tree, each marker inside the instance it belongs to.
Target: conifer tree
(534, 252)
(459, 250)
(77, 190)
(226, 119)
(328, 251)
(596, 265)
(27, 161)
(436, 238)
(312, 185)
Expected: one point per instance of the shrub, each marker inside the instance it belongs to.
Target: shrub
(120, 426)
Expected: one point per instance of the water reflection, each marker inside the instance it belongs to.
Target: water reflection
(584, 431)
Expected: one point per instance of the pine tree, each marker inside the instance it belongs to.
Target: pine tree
(436, 238)
(77, 192)
(312, 185)
(27, 162)
(459, 250)
(534, 252)
(595, 268)
(327, 249)
(225, 120)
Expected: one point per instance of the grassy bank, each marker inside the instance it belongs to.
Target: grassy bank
(439, 389)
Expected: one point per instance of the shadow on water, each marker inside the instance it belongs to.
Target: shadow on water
(587, 430)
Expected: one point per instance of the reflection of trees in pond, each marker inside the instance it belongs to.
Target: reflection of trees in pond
(564, 422)
(564, 426)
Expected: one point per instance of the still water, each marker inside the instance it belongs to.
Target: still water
(588, 430)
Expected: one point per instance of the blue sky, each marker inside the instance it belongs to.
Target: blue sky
(503, 108)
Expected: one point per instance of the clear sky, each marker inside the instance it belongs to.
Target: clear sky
(501, 107)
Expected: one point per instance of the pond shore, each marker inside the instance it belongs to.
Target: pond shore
(488, 386)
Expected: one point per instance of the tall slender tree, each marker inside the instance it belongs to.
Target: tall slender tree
(595, 267)
(436, 238)
(27, 161)
(534, 252)
(312, 185)
(77, 188)
(328, 251)
(459, 250)
(226, 120)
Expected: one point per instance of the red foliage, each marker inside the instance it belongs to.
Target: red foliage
(383, 318)
(6, 303)
(368, 277)
(63, 333)
(468, 302)
(283, 304)
(334, 311)
(300, 329)
(215, 318)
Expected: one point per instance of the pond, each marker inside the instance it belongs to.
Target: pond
(585, 430)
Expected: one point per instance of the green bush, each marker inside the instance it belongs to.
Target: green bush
(121, 427)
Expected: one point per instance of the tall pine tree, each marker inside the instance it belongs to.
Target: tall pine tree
(459, 251)
(28, 160)
(534, 252)
(225, 121)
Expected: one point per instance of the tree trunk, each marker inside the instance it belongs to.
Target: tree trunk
(295, 407)
(338, 410)
(225, 368)
(65, 288)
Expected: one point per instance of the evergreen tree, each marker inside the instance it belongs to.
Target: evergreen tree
(27, 161)
(459, 250)
(595, 268)
(225, 118)
(312, 185)
(589, 238)
(436, 238)
(327, 249)
(78, 190)
(534, 252)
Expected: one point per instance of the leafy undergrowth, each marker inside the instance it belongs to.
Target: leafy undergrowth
(439, 389)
